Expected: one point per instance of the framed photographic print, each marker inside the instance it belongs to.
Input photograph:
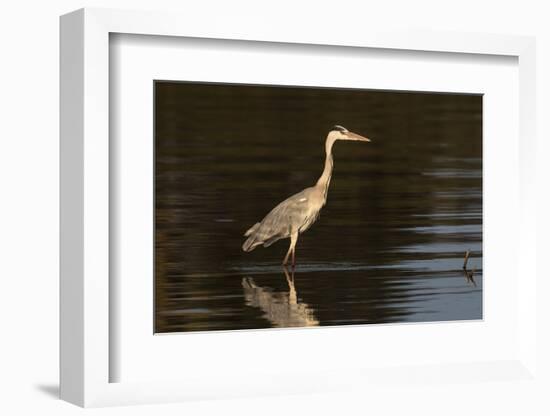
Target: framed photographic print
(401, 213)
(311, 204)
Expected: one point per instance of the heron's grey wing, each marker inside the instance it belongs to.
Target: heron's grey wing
(285, 218)
(281, 221)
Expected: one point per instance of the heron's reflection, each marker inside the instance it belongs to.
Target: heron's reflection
(282, 309)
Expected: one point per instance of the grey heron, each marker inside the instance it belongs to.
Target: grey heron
(297, 213)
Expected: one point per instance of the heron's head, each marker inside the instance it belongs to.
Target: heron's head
(341, 133)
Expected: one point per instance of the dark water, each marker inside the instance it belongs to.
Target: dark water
(390, 243)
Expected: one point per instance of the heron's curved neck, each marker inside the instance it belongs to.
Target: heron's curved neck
(324, 180)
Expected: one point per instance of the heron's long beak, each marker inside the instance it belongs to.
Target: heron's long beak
(353, 136)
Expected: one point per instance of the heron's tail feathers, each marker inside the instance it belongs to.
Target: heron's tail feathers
(257, 239)
(252, 240)
(252, 229)
(271, 240)
(251, 243)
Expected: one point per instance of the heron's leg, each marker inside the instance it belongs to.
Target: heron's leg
(285, 271)
(285, 260)
(293, 239)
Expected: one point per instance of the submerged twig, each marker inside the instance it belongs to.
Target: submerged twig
(465, 265)
(469, 274)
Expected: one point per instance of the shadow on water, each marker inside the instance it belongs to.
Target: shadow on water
(389, 245)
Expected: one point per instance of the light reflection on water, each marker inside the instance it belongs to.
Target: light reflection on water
(389, 245)
(281, 309)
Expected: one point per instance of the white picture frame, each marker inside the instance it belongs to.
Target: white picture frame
(85, 211)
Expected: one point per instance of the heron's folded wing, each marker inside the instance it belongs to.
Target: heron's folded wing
(289, 215)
